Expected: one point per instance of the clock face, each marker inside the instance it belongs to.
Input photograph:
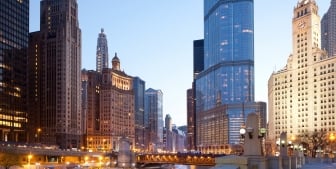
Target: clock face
(301, 24)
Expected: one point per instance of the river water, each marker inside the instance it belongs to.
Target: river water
(171, 166)
(191, 167)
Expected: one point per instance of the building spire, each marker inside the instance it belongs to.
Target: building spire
(115, 62)
(304, 2)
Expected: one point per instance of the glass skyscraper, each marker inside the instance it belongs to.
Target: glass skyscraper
(14, 29)
(139, 106)
(328, 30)
(225, 88)
(228, 53)
(153, 119)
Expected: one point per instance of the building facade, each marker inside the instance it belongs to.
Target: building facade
(302, 94)
(14, 31)
(168, 134)
(191, 133)
(328, 30)
(198, 55)
(91, 82)
(178, 140)
(102, 58)
(139, 104)
(116, 104)
(225, 88)
(153, 119)
(198, 64)
(57, 49)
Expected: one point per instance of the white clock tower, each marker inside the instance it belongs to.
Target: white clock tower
(306, 29)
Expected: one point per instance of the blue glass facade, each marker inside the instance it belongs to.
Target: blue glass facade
(139, 105)
(228, 76)
(154, 117)
(198, 56)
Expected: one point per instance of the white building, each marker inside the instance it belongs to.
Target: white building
(302, 94)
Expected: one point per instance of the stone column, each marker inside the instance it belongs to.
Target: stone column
(124, 155)
(252, 143)
(283, 144)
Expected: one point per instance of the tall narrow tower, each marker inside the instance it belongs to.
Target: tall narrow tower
(60, 69)
(102, 52)
(139, 86)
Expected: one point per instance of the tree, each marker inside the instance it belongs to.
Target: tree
(7, 160)
(317, 140)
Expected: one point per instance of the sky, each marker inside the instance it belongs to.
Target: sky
(154, 41)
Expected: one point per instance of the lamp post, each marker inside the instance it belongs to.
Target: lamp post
(332, 139)
(38, 134)
(29, 158)
(100, 161)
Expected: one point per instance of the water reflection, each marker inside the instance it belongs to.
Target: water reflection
(191, 167)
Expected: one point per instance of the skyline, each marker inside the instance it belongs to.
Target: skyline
(134, 34)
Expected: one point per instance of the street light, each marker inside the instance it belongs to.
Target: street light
(29, 158)
(100, 161)
(332, 139)
(37, 135)
(242, 132)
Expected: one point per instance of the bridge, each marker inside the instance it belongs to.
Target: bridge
(179, 158)
(15, 149)
(40, 156)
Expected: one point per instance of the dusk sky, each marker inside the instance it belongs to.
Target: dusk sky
(154, 41)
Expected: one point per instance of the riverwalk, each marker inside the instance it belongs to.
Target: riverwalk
(319, 163)
(319, 166)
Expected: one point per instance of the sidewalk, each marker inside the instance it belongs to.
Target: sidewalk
(319, 166)
(319, 163)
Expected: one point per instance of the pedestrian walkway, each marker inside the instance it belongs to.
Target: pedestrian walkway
(319, 163)
(319, 166)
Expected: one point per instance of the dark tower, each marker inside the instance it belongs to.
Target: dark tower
(58, 74)
(14, 31)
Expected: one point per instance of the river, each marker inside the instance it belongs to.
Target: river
(171, 166)
(191, 167)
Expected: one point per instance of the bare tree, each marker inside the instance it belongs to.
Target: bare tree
(317, 140)
(7, 160)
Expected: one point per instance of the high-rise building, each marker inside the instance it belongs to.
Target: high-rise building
(14, 31)
(110, 107)
(198, 64)
(117, 116)
(58, 70)
(168, 122)
(154, 119)
(139, 105)
(102, 52)
(198, 54)
(225, 88)
(167, 134)
(302, 94)
(191, 134)
(34, 73)
(328, 30)
(91, 81)
(178, 139)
